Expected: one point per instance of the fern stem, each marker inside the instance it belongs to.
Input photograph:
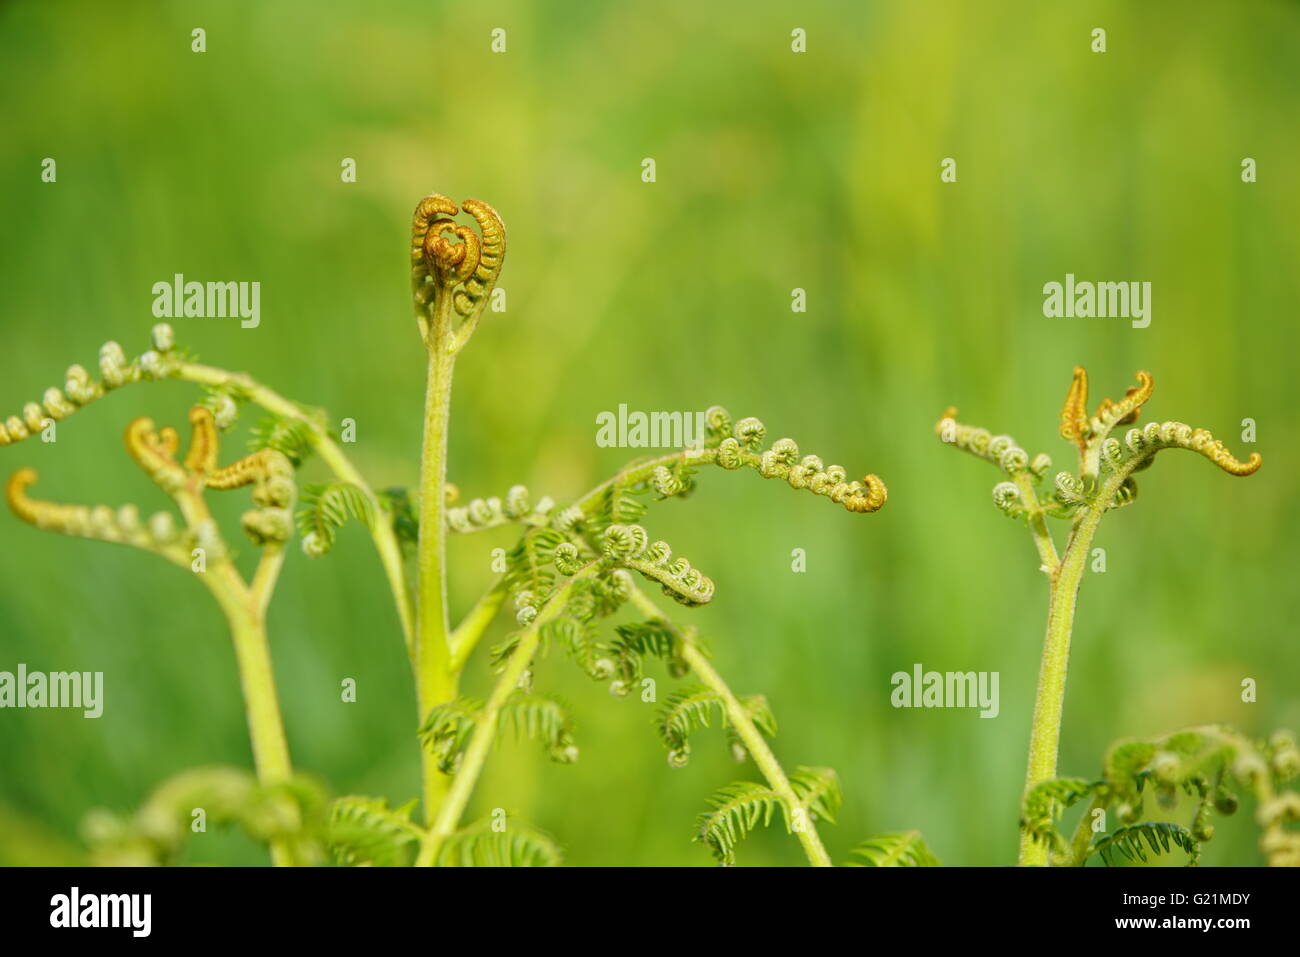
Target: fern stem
(466, 635)
(435, 682)
(386, 544)
(1038, 525)
(1082, 839)
(485, 729)
(261, 703)
(1049, 702)
(749, 735)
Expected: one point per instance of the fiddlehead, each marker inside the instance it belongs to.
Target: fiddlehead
(1209, 764)
(1106, 463)
(326, 509)
(81, 389)
(453, 268)
(515, 507)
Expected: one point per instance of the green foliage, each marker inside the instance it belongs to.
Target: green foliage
(734, 811)
(543, 718)
(324, 509)
(689, 709)
(396, 502)
(738, 808)
(364, 830)
(905, 849)
(156, 834)
(496, 842)
(1044, 804)
(1159, 837)
(293, 437)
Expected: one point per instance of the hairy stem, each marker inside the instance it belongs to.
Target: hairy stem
(1049, 702)
(749, 735)
(435, 681)
(476, 621)
(485, 728)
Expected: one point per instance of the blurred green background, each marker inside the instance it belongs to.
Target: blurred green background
(775, 170)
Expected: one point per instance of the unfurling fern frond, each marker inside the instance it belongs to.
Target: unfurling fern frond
(80, 388)
(293, 437)
(530, 564)
(735, 810)
(1044, 803)
(447, 729)
(496, 841)
(484, 513)
(684, 712)
(905, 849)
(325, 509)
(629, 546)
(366, 831)
(1159, 837)
(543, 718)
(819, 792)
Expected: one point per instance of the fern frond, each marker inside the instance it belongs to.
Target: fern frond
(396, 502)
(905, 849)
(447, 728)
(293, 437)
(365, 830)
(819, 792)
(735, 810)
(760, 712)
(684, 712)
(484, 513)
(1044, 803)
(543, 718)
(1159, 837)
(515, 844)
(291, 813)
(325, 509)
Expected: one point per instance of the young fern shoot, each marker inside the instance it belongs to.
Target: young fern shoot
(1104, 481)
(199, 547)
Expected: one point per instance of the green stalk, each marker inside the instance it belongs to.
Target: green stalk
(1049, 702)
(749, 735)
(485, 729)
(256, 678)
(386, 544)
(435, 681)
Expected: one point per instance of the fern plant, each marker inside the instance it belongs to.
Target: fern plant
(571, 571)
(1211, 764)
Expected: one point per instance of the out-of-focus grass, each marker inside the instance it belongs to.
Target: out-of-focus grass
(775, 171)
